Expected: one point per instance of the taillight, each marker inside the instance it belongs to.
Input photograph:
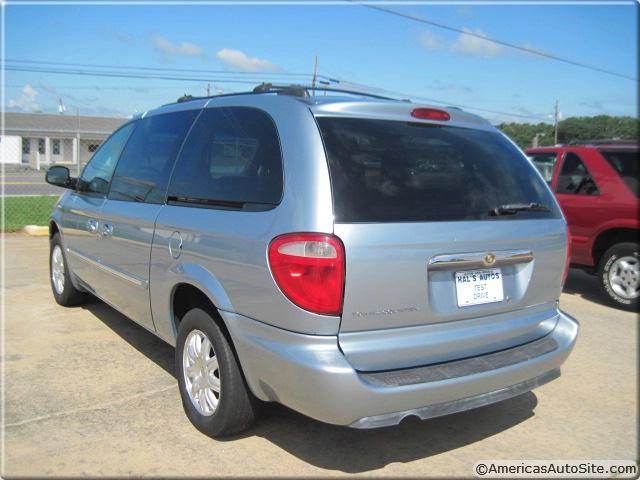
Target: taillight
(309, 269)
(568, 259)
(430, 114)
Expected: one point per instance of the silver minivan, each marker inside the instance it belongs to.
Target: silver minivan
(358, 259)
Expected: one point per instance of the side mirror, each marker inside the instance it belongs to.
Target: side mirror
(59, 176)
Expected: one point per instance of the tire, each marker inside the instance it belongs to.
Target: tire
(619, 275)
(232, 408)
(60, 278)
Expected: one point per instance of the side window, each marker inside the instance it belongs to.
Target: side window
(625, 163)
(230, 159)
(97, 174)
(544, 161)
(574, 177)
(144, 168)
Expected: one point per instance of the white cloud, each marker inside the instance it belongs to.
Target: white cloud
(472, 42)
(473, 45)
(28, 101)
(430, 41)
(242, 61)
(168, 48)
(533, 48)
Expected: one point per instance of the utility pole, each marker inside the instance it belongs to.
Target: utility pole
(78, 139)
(556, 116)
(315, 70)
(208, 89)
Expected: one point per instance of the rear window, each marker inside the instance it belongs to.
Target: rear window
(389, 171)
(626, 164)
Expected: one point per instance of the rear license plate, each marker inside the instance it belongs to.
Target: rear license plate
(474, 287)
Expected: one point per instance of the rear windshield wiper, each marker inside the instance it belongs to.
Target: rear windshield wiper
(513, 208)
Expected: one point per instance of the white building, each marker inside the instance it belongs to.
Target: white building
(40, 139)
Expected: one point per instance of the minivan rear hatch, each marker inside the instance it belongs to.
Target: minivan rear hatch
(454, 244)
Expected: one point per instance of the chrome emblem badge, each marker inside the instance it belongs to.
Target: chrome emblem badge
(489, 259)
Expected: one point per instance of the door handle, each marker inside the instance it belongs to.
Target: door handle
(107, 230)
(92, 226)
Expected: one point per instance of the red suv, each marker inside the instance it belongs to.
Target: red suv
(597, 187)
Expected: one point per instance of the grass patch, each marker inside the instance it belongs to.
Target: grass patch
(21, 211)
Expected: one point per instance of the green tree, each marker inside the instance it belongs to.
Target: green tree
(574, 130)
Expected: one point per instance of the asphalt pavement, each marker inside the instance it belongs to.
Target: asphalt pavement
(89, 393)
(27, 183)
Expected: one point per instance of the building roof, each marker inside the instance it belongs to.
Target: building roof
(26, 124)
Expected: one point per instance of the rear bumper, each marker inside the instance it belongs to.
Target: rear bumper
(310, 374)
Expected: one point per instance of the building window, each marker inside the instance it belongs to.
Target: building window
(92, 147)
(26, 146)
(41, 146)
(55, 147)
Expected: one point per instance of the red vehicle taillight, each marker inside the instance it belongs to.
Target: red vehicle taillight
(309, 269)
(568, 259)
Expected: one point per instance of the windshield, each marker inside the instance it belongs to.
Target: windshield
(390, 171)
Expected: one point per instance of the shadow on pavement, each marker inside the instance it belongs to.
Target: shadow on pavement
(584, 285)
(357, 451)
(342, 448)
(142, 340)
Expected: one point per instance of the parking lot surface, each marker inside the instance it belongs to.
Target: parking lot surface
(26, 183)
(89, 393)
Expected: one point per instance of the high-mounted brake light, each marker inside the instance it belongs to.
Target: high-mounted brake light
(309, 269)
(430, 114)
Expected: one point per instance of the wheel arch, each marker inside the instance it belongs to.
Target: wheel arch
(53, 228)
(607, 238)
(186, 296)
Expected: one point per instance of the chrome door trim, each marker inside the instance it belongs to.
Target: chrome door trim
(115, 272)
(92, 226)
(479, 259)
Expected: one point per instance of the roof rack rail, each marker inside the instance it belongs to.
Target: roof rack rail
(293, 90)
(605, 141)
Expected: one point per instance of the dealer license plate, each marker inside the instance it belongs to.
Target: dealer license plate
(474, 287)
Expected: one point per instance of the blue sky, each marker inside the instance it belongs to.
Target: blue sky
(353, 43)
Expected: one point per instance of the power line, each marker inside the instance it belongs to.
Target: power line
(460, 105)
(160, 69)
(99, 88)
(493, 40)
(127, 75)
(248, 82)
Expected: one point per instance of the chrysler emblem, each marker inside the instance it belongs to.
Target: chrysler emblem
(489, 259)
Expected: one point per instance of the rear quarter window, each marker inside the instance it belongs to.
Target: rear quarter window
(230, 158)
(390, 171)
(625, 163)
